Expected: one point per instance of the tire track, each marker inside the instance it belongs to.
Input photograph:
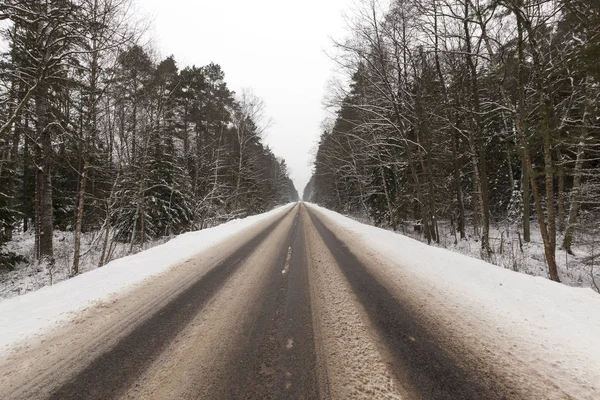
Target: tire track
(110, 374)
(290, 314)
(351, 365)
(418, 359)
(277, 360)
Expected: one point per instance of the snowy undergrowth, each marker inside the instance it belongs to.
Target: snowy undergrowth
(579, 270)
(30, 276)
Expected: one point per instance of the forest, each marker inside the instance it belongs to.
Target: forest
(470, 113)
(99, 134)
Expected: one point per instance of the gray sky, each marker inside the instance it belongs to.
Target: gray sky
(276, 47)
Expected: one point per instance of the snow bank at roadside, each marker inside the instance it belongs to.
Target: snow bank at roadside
(35, 312)
(552, 328)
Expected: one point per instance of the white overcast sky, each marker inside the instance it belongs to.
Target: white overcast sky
(275, 47)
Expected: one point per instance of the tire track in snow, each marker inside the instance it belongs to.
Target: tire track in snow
(418, 359)
(350, 363)
(109, 375)
(278, 360)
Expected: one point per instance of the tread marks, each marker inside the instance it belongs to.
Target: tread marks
(110, 374)
(278, 359)
(417, 356)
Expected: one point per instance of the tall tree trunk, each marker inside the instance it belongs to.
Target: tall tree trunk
(198, 160)
(526, 194)
(429, 220)
(575, 195)
(511, 176)
(479, 158)
(458, 186)
(521, 124)
(8, 165)
(12, 165)
(561, 192)
(575, 199)
(134, 122)
(396, 95)
(102, 259)
(8, 157)
(388, 199)
(26, 163)
(89, 134)
(549, 251)
(549, 178)
(547, 129)
(455, 156)
(44, 212)
(546, 220)
(432, 202)
(79, 214)
(238, 180)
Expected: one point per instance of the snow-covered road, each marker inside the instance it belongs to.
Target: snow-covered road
(298, 303)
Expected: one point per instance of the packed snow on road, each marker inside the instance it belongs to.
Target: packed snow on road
(547, 326)
(38, 311)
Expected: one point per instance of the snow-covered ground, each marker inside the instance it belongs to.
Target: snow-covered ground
(40, 310)
(539, 336)
(527, 320)
(31, 276)
(580, 270)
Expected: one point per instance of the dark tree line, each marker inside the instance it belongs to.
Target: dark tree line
(96, 134)
(472, 111)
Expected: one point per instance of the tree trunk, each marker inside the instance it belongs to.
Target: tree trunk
(549, 179)
(458, 185)
(238, 181)
(549, 250)
(134, 123)
(546, 226)
(548, 128)
(26, 163)
(89, 134)
(79, 215)
(479, 159)
(526, 194)
(575, 200)
(109, 201)
(575, 195)
(520, 124)
(102, 259)
(561, 192)
(44, 212)
(12, 170)
(511, 176)
(455, 156)
(392, 217)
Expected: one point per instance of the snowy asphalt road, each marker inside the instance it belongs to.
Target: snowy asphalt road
(283, 312)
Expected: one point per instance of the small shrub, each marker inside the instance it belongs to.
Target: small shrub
(9, 260)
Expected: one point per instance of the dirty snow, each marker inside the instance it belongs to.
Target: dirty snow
(39, 311)
(346, 347)
(524, 321)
